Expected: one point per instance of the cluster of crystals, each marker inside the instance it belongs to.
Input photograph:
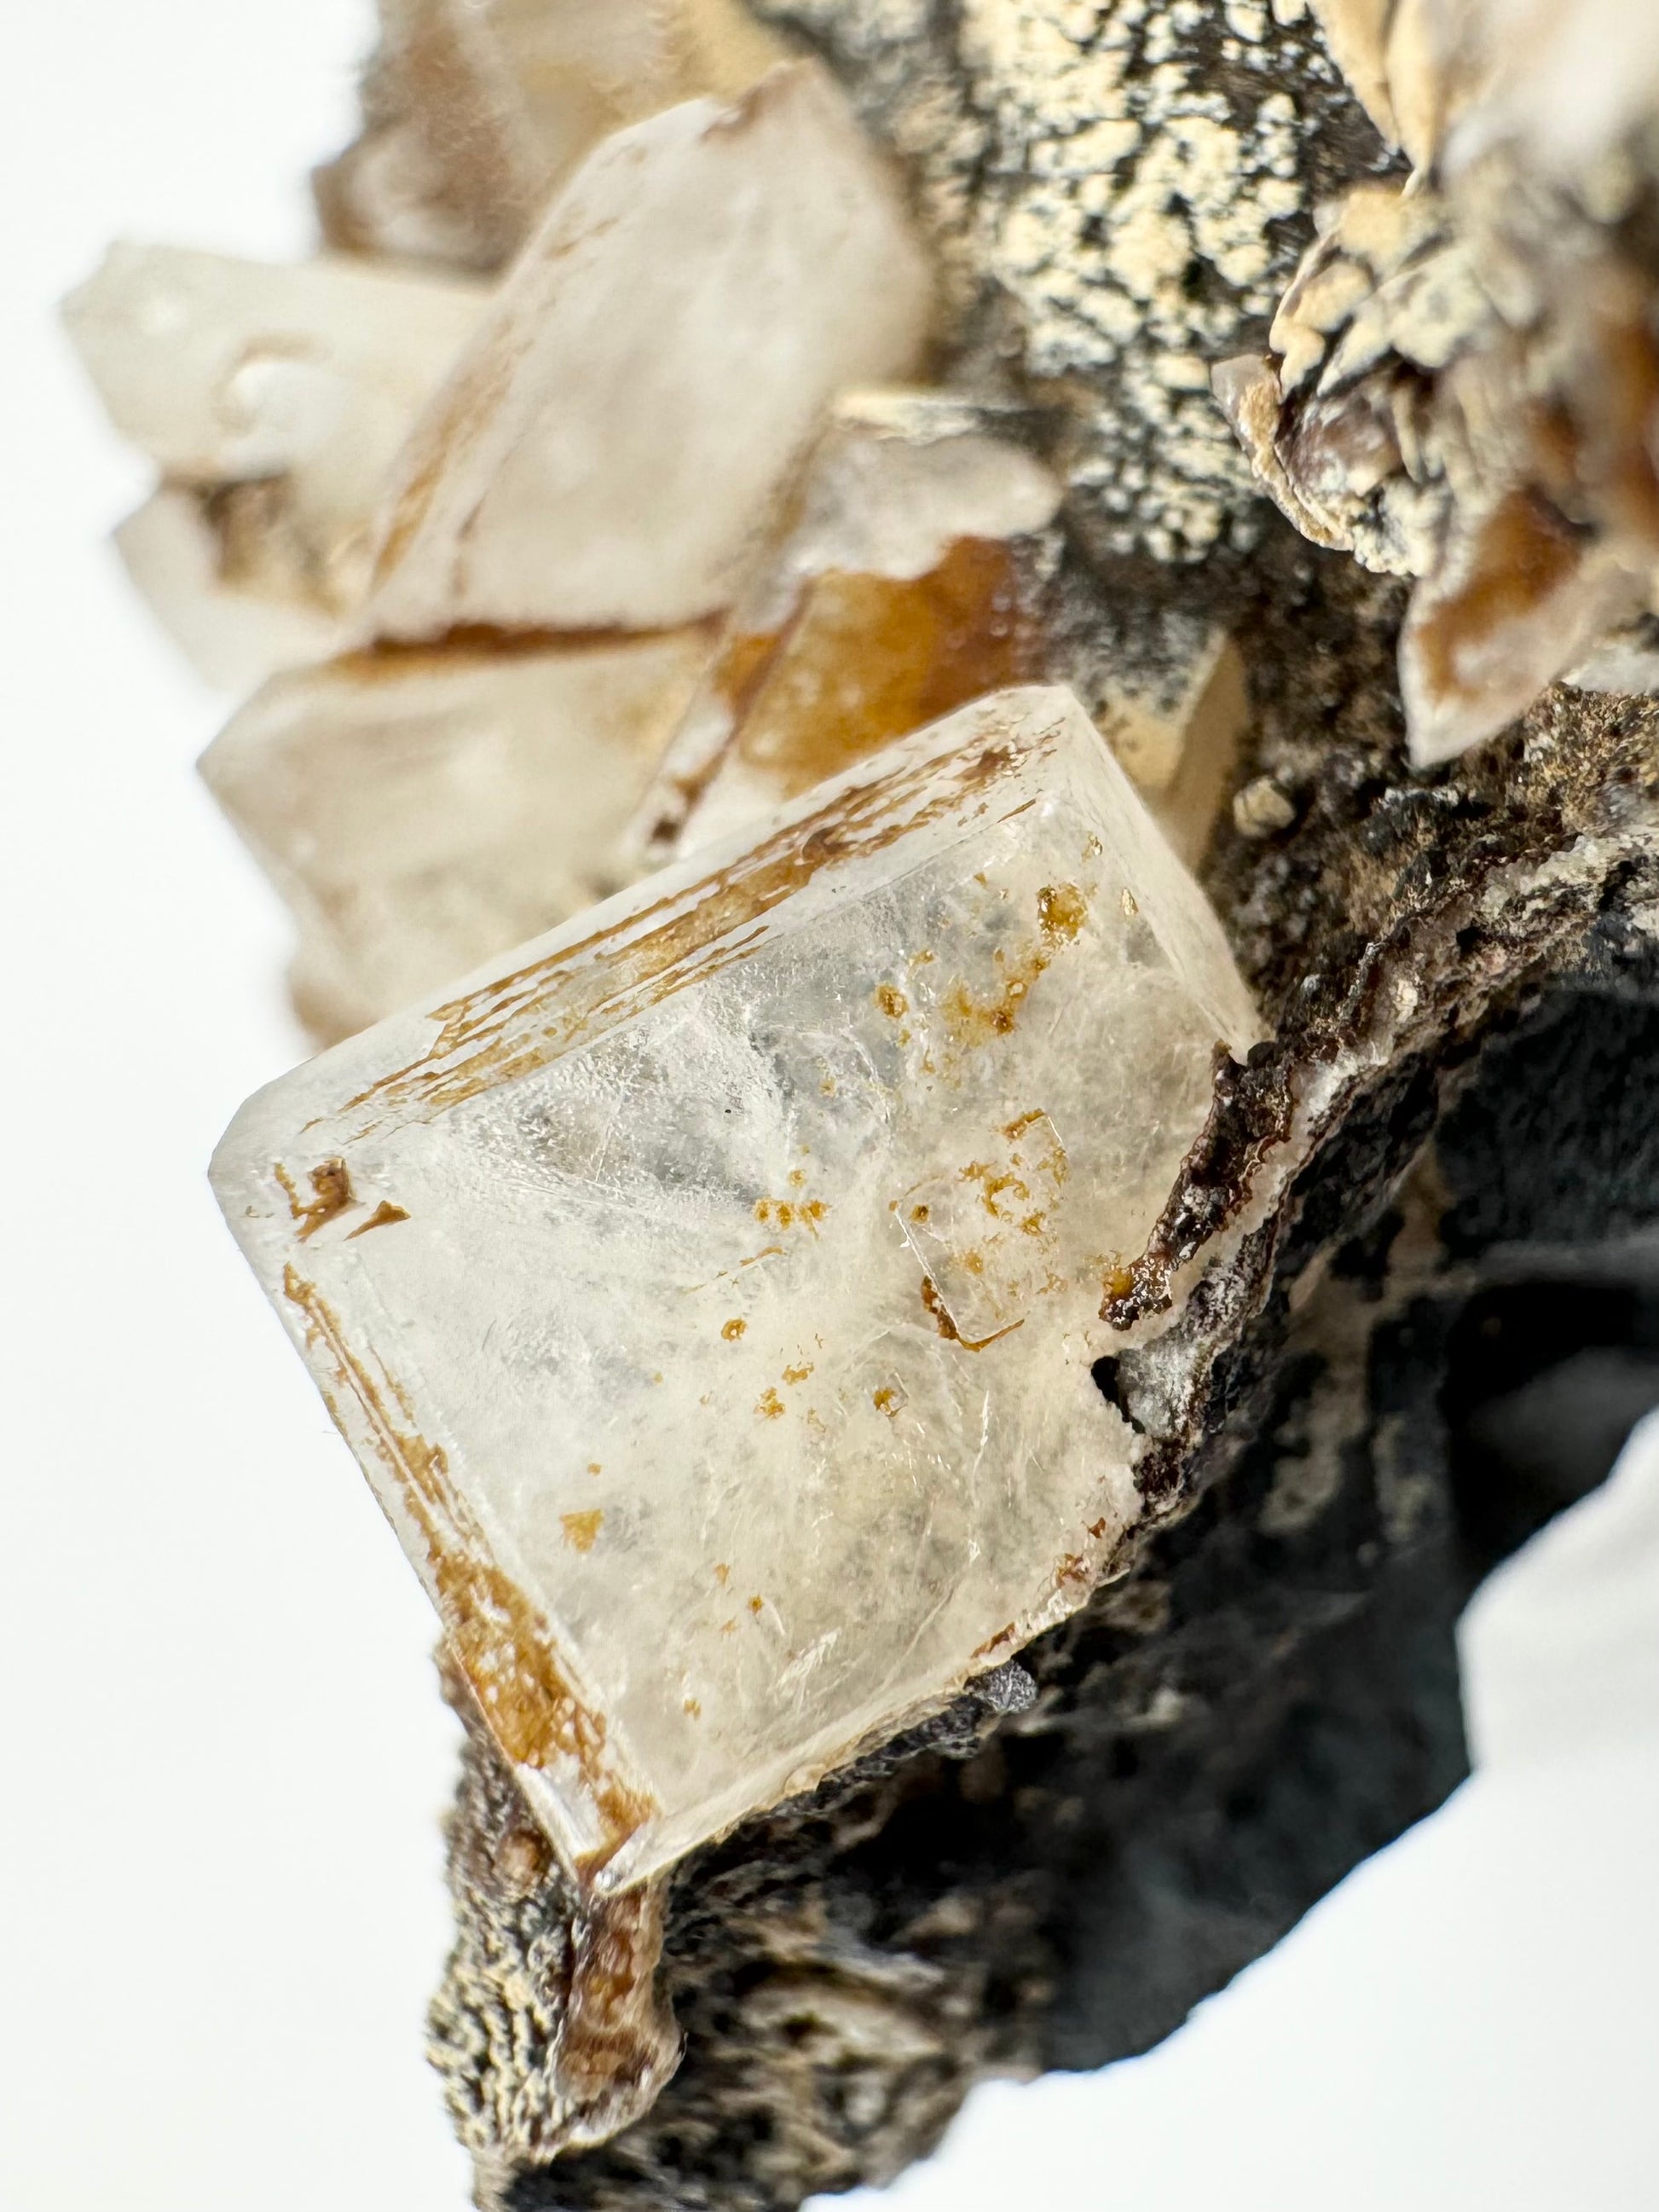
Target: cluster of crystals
(545, 576)
(742, 1243)
(1463, 380)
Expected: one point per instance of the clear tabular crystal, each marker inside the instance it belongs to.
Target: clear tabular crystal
(423, 811)
(710, 1290)
(661, 351)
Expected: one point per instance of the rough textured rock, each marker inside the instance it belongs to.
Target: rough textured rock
(1428, 1185)
(1119, 194)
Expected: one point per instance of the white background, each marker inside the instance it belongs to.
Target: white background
(224, 1756)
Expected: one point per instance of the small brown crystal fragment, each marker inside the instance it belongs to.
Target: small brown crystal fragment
(919, 564)
(909, 578)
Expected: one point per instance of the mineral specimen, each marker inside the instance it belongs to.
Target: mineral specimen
(954, 1593)
(908, 577)
(742, 1247)
(274, 399)
(421, 811)
(655, 361)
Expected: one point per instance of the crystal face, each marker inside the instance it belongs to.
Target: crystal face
(275, 399)
(422, 811)
(651, 367)
(906, 577)
(710, 1290)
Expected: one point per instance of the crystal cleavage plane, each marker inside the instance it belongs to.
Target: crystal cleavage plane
(710, 1290)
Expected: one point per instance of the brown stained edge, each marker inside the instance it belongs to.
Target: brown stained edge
(643, 958)
(615, 2025)
(500, 1641)
(387, 659)
(478, 387)
(948, 1329)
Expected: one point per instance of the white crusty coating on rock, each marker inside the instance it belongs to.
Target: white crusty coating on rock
(1129, 185)
(655, 363)
(710, 1290)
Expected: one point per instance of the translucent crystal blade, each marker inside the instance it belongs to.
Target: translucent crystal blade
(224, 370)
(422, 810)
(710, 1290)
(655, 361)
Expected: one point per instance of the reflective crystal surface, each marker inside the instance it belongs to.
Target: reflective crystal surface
(905, 578)
(710, 1290)
(660, 353)
(422, 811)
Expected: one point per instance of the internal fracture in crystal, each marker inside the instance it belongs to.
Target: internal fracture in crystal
(710, 1289)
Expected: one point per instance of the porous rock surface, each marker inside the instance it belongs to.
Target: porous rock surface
(1118, 195)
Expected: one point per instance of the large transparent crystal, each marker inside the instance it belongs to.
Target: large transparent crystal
(421, 811)
(710, 1290)
(660, 353)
